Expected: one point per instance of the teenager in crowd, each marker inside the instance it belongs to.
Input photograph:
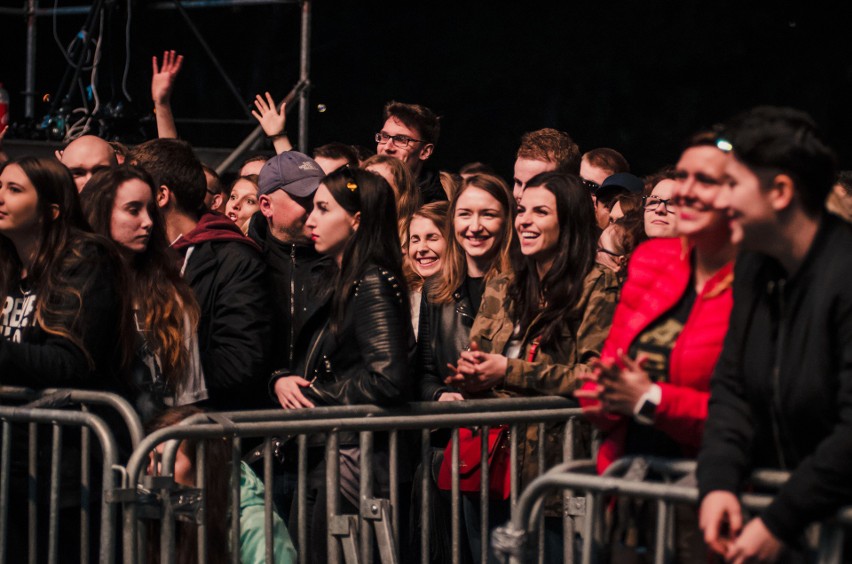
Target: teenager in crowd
(242, 202)
(660, 212)
(425, 247)
(782, 392)
(649, 395)
(63, 323)
(538, 332)
(479, 236)
(119, 204)
(217, 482)
(359, 347)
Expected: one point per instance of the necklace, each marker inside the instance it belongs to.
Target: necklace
(24, 287)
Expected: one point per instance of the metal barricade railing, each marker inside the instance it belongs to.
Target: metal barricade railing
(57, 419)
(377, 525)
(511, 542)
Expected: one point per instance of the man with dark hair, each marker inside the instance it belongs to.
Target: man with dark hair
(410, 133)
(333, 156)
(599, 164)
(215, 198)
(224, 269)
(781, 396)
(544, 150)
(840, 200)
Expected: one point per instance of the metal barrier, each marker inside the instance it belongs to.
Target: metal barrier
(349, 536)
(58, 419)
(511, 541)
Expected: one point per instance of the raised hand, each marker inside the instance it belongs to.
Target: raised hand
(272, 120)
(163, 79)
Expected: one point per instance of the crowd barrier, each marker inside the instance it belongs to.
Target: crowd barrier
(512, 542)
(351, 537)
(61, 410)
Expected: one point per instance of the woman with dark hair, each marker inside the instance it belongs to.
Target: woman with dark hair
(650, 393)
(538, 332)
(61, 281)
(359, 347)
(120, 204)
(479, 237)
(218, 454)
(63, 323)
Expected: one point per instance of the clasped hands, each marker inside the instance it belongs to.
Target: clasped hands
(618, 386)
(477, 371)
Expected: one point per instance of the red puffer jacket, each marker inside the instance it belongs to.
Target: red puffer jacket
(658, 275)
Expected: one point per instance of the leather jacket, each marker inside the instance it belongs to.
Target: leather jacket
(444, 332)
(370, 359)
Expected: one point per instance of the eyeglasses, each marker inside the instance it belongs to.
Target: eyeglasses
(652, 203)
(591, 186)
(399, 141)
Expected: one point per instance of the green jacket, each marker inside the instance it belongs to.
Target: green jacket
(553, 370)
(252, 535)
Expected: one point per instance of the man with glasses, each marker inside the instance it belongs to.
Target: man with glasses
(781, 395)
(409, 134)
(544, 150)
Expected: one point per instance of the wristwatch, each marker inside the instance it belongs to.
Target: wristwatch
(646, 408)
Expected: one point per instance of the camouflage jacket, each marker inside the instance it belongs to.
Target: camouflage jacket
(553, 370)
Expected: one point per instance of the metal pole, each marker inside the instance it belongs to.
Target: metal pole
(304, 69)
(29, 85)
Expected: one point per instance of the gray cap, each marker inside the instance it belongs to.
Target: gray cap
(291, 171)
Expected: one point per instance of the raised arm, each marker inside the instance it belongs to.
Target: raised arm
(162, 84)
(273, 122)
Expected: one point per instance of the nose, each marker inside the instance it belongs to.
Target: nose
(475, 224)
(147, 222)
(310, 223)
(662, 209)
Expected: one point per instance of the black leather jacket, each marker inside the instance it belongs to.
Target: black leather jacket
(444, 332)
(371, 359)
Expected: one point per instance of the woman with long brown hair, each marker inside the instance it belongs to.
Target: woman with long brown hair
(119, 203)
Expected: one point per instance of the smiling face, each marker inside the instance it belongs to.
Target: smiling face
(478, 224)
(19, 213)
(749, 208)
(700, 174)
(130, 223)
(243, 203)
(537, 224)
(426, 245)
(413, 154)
(660, 216)
(331, 226)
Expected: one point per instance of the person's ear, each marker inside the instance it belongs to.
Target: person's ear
(58, 154)
(217, 202)
(781, 192)
(54, 211)
(164, 196)
(265, 203)
(356, 221)
(426, 151)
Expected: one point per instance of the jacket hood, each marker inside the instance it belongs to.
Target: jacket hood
(213, 227)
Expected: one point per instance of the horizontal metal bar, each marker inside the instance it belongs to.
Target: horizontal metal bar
(216, 121)
(218, 3)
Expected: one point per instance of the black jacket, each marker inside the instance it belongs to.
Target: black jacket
(429, 185)
(371, 358)
(443, 333)
(230, 283)
(296, 273)
(781, 396)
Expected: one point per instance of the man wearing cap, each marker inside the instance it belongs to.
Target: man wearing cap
(225, 271)
(614, 185)
(286, 188)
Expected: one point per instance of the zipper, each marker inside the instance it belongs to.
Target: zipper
(775, 382)
(313, 350)
(290, 353)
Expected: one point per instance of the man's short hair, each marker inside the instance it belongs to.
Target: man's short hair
(770, 139)
(552, 146)
(338, 151)
(216, 185)
(255, 159)
(607, 159)
(419, 118)
(172, 163)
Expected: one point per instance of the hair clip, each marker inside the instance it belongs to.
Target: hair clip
(351, 185)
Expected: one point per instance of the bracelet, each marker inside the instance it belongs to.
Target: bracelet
(277, 135)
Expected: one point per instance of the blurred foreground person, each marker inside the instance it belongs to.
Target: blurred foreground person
(782, 392)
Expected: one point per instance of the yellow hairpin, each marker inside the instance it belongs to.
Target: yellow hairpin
(351, 185)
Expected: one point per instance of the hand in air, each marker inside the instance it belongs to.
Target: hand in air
(163, 80)
(271, 119)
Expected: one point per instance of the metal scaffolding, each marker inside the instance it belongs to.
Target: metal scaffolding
(31, 12)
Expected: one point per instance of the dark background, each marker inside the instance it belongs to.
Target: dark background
(635, 76)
